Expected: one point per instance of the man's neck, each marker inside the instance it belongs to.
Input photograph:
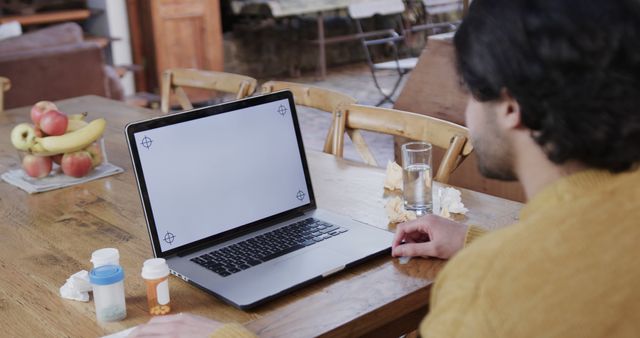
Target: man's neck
(535, 171)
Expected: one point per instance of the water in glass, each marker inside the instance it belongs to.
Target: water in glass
(417, 187)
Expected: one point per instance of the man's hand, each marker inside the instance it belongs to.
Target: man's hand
(180, 325)
(429, 236)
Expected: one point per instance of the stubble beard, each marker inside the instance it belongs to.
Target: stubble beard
(494, 154)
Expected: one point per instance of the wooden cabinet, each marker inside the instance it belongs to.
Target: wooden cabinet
(175, 33)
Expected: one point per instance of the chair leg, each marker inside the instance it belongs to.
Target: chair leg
(387, 97)
(383, 100)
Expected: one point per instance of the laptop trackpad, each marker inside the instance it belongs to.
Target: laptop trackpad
(272, 279)
(312, 263)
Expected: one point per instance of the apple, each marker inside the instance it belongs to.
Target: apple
(57, 159)
(39, 132)
(23, 136)
(96, 154)
(76, 164)
(36, 166)
(39, 109)
(54, 123)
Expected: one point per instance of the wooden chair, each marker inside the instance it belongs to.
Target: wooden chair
(175, 79)
(439, 133)
(5, 85)
(314, 97)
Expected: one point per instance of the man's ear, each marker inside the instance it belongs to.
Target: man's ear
(509, 115)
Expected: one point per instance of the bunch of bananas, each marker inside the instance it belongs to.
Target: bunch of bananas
(80, 134)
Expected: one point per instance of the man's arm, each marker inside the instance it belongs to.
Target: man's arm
(188, 325)
(458, 305)
(232, 330)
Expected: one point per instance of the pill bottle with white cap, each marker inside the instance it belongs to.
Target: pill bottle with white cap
(107, 282)
(106, 256)
(155, 272)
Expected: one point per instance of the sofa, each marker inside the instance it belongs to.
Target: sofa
(55, 63)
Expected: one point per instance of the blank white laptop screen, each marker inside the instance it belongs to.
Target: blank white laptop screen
(216, 173)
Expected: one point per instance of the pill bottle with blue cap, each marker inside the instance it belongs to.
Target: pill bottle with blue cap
(108, 292)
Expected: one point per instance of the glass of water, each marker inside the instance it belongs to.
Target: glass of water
(417, 176)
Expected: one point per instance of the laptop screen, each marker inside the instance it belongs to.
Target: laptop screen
(215, 173)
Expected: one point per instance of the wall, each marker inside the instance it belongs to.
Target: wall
(113, 23)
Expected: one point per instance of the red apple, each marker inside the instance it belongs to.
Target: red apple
(54, 123)
(76, 164)
(36, 166)
(39, 132)
(96, 154)
(39, 109)
(57, 159)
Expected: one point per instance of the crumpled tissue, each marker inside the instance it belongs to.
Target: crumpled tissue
(393, 179)
(77, 287)
(396, 211)
(448, 201)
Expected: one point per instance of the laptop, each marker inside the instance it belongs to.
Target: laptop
(228, 201)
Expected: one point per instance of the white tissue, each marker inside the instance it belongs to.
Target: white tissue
(450, 201)
(77, 287)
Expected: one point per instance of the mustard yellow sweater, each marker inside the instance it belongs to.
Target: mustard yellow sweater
(569, 268)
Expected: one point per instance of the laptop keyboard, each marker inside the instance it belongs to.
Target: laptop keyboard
(262, 248)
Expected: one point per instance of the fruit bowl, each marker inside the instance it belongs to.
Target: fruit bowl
(67, 140)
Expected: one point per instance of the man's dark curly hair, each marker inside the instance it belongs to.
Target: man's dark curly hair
(573, 66)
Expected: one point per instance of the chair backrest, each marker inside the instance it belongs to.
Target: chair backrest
(314, 97)
(5, 85)
(418, 127)
(175, 79)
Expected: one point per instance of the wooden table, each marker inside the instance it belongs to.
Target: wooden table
(44, 238)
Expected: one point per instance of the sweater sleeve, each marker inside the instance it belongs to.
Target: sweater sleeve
(473, 232)
(456, 308)
(232, 330)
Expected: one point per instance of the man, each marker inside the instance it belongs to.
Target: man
(555, 88)
(555, 104)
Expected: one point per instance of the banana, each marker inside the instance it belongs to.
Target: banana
(75, 124)
(79, 117)
(69, 142)
(23, 136)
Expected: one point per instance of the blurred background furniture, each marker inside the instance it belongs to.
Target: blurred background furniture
(169, 34)
(439, 7)
(38, 12)
(5, 85)
(55, 63)
(359, 11)
(299, 8)
(448, 136)
(317, 98)
(173, 80)
(433, 89)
